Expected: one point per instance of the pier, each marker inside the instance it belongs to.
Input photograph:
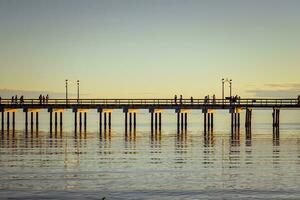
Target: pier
(156, 107)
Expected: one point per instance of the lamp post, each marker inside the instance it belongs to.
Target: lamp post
(77, 91)
(230, 87)
(223, 90)
(66, 91)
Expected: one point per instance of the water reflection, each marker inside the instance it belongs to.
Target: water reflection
(144, 161)
(234, 149)
(181, 148)
(155, 147)
(208, 148)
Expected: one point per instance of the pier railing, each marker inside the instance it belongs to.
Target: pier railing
(227, 101)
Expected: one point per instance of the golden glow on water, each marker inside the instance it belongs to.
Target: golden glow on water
(142, 165)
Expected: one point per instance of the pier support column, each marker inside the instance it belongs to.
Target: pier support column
(155, 122)
(181, 124)
(212, 120)
(51, 120)
(75, 121)
(36, 121)
(2, 121)
(134, 120)
(248, 119)
(159, 121)
(151, 121)
(105, 120)
(109, 120)
(276, 123)
(7, 121)
(185, 121)
(85, 121)
(100, 121)
(26, 121)
(60, 121)
(31, 121)
(155, 118)
(181, 119)
(235, 119)
(126, 121)
(13, 121)
(130, 121)
(208, 119)
(55, 121)
(80, 121)
(178, 120)
(205, 121)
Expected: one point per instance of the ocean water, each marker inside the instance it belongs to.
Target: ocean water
(141, 164)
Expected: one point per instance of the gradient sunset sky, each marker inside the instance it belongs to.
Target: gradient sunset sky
(154, 48)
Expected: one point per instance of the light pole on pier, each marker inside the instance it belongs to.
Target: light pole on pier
(230, 87)
(66, 90)
(78, 91)
(223, 90)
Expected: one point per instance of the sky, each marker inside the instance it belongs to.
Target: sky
(150, 48)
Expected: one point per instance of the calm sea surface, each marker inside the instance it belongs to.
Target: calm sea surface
(160, 165)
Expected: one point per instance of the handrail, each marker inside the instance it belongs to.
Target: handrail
(156, 101)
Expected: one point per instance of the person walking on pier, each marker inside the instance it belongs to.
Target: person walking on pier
(44, 99)
(47, 98)
(181, 99)
(214, 99)
(16, 99)
(175, 99)
(12, 99)
(192, 100)
(40, 98)
(21, 99)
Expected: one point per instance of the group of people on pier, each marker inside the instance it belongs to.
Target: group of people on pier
(43, 99)
(206, 99)
(15, 100)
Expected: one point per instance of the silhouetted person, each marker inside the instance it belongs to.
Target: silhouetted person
(180, 99)
(44, 99)
(192, 100)
(214, 99)
(47, 98)
(21, 99)
(40, 98)
(175, 99)
(12, 99)
(16, 99)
